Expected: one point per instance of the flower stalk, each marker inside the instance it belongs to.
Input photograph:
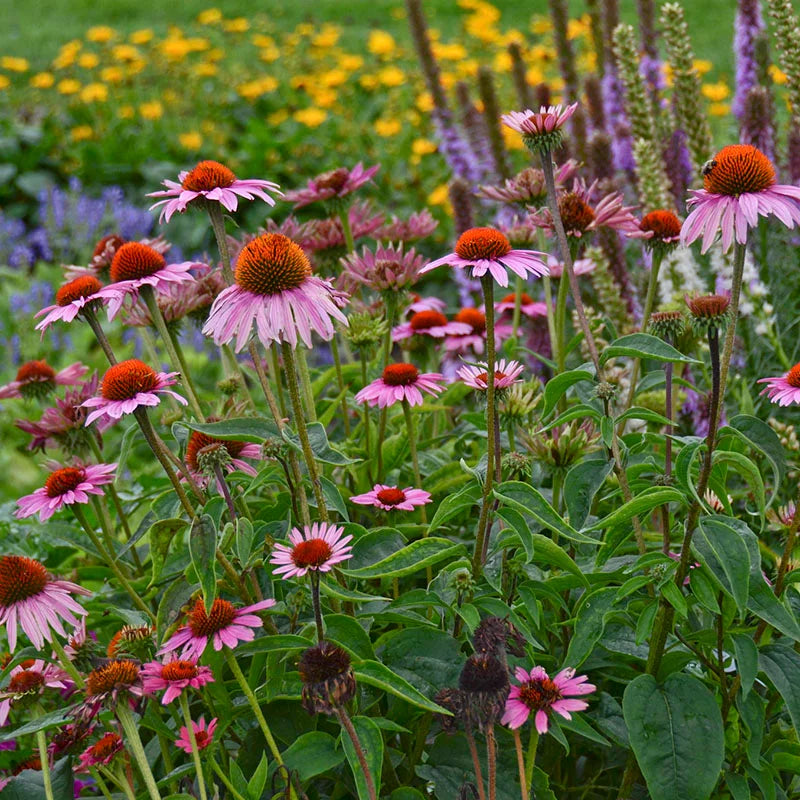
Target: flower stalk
(198, 766)
(362, 758)
(129, 727)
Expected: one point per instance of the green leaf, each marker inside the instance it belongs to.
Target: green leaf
(412, 558)
(644, 502)
(203, 550)
(746, 661)
(590, 624)
(781, 665)
(241, 429)
(643, 345)
(318, 439)
(371, 740)
(676, 734)
(160, 536)
(725, 554)
(29, 784)
(527, 500)
(43, 723)
(556, 387)
(348, 633)
(279, 643)
(547, 551)
(748, 470)
(376, 674)
(255, 787)
(245, 540)
(453, 504)
(175, 596)
(645, 414)
(540, 783)
(763, 438)
(763, 603)
(581, 485)
(333, 499)
(312, 754)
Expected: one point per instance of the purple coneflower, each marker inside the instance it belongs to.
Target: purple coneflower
(30, 599)
(528, 306)
(127, 386)
(528, 186)
(429, 323)
(202, 735)
(541, 130)
(333, 185)
(72, 297)
(174, 676)
(102, 752)
(315, 548)
(488, 250)
(539, 694)
(210, 181)
(29, 678)
(661, 230)
(474, 341)
(784, 389)
(417, 226)
(426, 304)
(224, 624)
(237, 451)
(400, 382)
(387, 268)
(738, 187)
(38, 379)
(390, 498)
(64, 487)
(506, 373)
(275, 292)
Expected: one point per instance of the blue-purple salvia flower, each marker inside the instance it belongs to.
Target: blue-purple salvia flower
(455, 149)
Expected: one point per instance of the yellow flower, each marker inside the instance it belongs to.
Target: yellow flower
(716, 92)
(512, 139)
(260, 40)
(170, 97)
(14, 64)
(368, 82)
(278, 117)
(333, 78)
(270, 54)
(440, 196)
(534, 76)
(125, 52)
(541, 25)
(112, 75)
(81, 133)
(777, 75)
(702, 65)
(719, 109)
(100, 33)
(209, 16)
(304, 29)
(88, 60)
(68, 86)
(126, 112)
(197, 44)
(43, 80)
(578, 27)
(310, 117)
(204, 69)
(237, 25)
(4, 82)
(254, 89)
(142, 36)
(191, 140)
(380, 43)
(392, 76)
(216, 54)
(151, 110)
(327, 37)
(63, 60)
(387, 127)
(448, 80)
(135, 67)
(350, 62)
(503, 62)
(175, 48)
(324, 98)
(94, 93)
(424, 102)
(450, 52)
(422, 147)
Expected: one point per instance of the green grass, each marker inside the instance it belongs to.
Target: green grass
(36, 29)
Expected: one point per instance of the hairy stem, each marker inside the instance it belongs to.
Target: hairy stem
(362, 758)
(198, 766)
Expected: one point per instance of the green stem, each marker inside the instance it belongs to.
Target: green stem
(136, 747)
(412, 446)
(561, 323)
(218, 225)
(173, 348)
(739, 251)
(315, 578)
(302, 431)
(44, 758)
(97, 329)
(101, 784)
(187, 718)
(519, 284)
(233, 362)
(276, 373)
(484, 523)
(108, 558)
(66, 662)
(337, 362)
(362, 759)
(363, 355)
(301, 362)
(523, 782)
(224, 778)
(344, 218)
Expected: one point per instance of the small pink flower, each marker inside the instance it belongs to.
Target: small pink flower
(426, 304)
(429, 323)
(539, 694)
(210, 181)
(225, 625)
(317, 548)
(784, 389)
(27, 679)
(38, 378)
(202, 735)
(488, 250)
(337, 183)
(506, 373)
(276, 294)
(400, 382)
(64, 487)
(582, 266)
(417, 226)
(386, 268)
(529, 185)
(390, 498)
(102, 752)
(30, 599)
(76, 295)
(535, 123)
(528, 306)
(127, 386)
(474, 341)
(739, 186)
(174, 675)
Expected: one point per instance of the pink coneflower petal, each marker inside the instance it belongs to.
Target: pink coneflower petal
(390, 498)
(783, 390)
(506, 373)
(400, 382)
(317, 547)
(203, 735)
(337, 183)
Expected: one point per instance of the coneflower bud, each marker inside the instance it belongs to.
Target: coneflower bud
(212, 457)
(605, 390)
(455, 702)
(461, 200)
(516, 466)
(229, 386)
(708, 311)
(484, 681)
(328, 680)
(273, 448)
(668, 325)
(364, 329)
(132, 640)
